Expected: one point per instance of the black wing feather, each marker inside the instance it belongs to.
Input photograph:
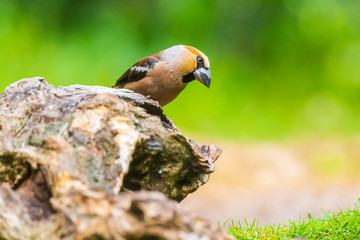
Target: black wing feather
(137, 71)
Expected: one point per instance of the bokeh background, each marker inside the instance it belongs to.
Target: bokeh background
(284, 95)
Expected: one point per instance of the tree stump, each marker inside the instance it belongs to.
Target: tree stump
(90, 162)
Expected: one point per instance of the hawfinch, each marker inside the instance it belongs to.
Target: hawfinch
(163, 75)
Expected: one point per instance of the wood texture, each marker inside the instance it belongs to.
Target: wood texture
(90, 162)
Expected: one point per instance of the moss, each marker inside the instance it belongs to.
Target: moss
(13, 169)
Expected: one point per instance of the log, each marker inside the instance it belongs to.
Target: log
(91, 162)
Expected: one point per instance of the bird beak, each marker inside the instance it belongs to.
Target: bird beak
(203, 76)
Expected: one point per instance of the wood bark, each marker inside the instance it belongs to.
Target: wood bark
(90, 162)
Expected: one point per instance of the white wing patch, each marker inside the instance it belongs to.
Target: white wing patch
(139, 69)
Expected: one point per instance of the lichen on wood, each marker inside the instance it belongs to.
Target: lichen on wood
(78, 162)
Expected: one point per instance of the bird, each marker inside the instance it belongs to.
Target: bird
(163, 75)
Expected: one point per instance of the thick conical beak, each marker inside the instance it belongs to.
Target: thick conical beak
(203, 76)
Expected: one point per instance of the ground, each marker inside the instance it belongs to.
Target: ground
(275, 182)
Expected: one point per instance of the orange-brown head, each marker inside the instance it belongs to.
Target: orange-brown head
(191, 62)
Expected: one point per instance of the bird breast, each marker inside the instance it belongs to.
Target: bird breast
(166, 83)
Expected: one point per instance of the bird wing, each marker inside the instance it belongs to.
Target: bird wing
(138, 71)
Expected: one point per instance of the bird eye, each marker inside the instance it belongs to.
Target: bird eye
(200, 60)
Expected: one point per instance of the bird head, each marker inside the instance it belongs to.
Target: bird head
(191, 62)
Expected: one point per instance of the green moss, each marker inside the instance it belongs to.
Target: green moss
(13, 169)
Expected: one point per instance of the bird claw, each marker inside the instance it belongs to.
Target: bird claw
(172, 125)
(170, 122)
(152, 100)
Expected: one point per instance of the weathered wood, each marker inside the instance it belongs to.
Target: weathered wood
(72, 157)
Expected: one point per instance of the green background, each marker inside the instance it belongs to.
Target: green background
(280, 69)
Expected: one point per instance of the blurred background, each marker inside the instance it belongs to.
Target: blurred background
(284, 98)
